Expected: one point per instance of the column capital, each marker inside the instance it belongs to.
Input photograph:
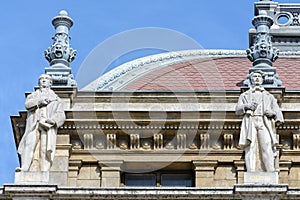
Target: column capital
(205, 165)
(239, 165)
(110, 165)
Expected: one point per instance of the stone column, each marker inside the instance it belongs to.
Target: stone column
(204, 172)
(111, 173)
(240, 170)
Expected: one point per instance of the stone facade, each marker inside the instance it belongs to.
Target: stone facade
(107, 135)
(172, 144)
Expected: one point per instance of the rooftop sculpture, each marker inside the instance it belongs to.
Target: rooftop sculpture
(60, 54)
(262, 53)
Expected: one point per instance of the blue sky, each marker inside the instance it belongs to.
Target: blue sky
(26, 31)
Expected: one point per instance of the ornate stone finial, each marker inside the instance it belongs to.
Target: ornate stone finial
(262, 53)
(60, 54)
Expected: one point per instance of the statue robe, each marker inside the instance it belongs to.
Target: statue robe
(55, 111)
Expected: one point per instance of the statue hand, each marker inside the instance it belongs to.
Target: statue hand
(270, 114)
(251, 106)
(50, 121)
(42, 102)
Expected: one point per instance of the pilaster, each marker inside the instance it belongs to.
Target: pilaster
(110, 173)
(284, 166)
(204, 172)
(74, 167)
(240, 170)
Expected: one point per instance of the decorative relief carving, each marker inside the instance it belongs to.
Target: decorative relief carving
(286, 143)
(228, 141)
(204, 141)
(100, 145)
(169, 145)
(193, 146)
(134, 141)
(60, 49)
(111, 140)
(296, 141)
(123, 144)
(295, 20)
(158, 140)
(181, 141)
(88, 141)
(76, 144)
(146, 144)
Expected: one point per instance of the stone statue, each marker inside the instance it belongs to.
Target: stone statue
(260, 113)
(45, 115)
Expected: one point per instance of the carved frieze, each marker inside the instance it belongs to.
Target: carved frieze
(228, 141)
(111, 141)
(204, 141)
(158, 140)
(88, 141)
(134, 141)
(181, 141)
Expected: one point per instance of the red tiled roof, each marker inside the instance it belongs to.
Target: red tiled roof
(213, 74)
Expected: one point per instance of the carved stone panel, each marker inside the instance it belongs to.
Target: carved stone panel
(296, 141)
(134, 141)
(181, 141)
(158, 140)
(228, 141)
(88, 141)
(111, 140)
(204, 141)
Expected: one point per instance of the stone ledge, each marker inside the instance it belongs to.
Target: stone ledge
(239, 191)
(263, 188)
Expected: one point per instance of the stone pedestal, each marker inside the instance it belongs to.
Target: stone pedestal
(264, 178)
(31, 178)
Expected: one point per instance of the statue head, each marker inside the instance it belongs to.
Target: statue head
(256, 78)
(45, 81)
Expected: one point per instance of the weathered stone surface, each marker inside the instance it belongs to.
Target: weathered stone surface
(261, 191)
(58, 178)
(261, 178)
(32, 178)
(60, 164)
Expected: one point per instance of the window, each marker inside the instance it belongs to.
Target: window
(140, 180)
(159, 179)
(176, 180)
